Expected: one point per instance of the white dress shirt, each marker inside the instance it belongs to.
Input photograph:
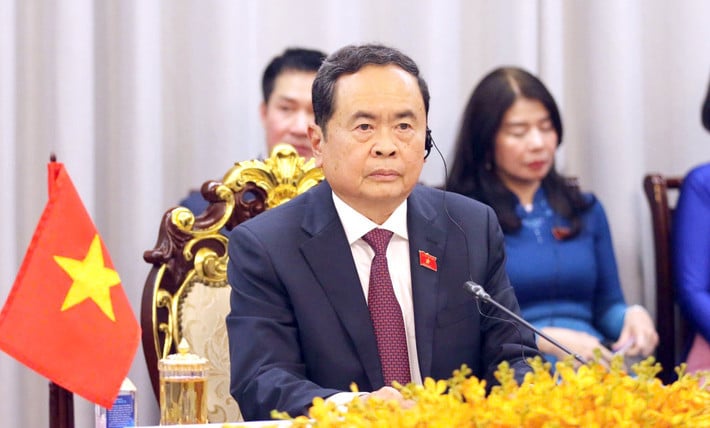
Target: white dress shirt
(356, 226)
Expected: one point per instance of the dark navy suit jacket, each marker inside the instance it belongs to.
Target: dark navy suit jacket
(299, 325)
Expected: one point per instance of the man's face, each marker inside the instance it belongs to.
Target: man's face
(289, 110)
(373, 149)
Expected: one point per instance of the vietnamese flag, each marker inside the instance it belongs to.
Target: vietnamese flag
(67, 316)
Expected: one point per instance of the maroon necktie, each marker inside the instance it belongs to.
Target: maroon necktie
(385, 312)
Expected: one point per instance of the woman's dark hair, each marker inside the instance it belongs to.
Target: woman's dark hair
(349, 60)
(474, 171)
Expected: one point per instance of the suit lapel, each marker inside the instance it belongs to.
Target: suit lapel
(424, 235)
(328, 248)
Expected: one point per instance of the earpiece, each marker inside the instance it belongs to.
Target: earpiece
(428, 143)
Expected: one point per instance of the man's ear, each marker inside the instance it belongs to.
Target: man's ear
(315, 134)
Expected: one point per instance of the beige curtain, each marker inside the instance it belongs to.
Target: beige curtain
(143, 100)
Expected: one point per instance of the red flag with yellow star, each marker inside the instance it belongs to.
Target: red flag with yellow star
(67, 316)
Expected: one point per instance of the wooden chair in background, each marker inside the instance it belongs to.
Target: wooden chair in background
(186, 294)
(672, 330)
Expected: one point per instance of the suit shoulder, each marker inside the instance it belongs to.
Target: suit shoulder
(466, 202)
(455, 204)
(458, 201)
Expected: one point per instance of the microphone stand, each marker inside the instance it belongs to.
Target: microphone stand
(481, 294)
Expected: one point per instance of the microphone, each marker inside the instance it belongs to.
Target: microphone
(481, 295)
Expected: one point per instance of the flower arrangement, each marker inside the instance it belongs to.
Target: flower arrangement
(591, 396)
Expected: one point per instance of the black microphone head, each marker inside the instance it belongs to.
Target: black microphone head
(470, 286)
(476, 290)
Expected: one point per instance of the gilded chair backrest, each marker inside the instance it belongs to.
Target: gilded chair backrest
(186, 293)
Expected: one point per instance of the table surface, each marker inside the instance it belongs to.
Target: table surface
(252, 424)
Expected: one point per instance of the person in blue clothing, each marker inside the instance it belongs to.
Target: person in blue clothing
(560, 257)
(691, 244)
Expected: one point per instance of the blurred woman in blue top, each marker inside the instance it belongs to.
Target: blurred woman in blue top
(560, 256)
(691, 244)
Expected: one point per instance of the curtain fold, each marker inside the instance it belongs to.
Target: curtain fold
(143, 100)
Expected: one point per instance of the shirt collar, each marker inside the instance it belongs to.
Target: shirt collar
(539, 204)
(356, 225)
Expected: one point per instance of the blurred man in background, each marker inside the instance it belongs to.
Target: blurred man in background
(286, 110)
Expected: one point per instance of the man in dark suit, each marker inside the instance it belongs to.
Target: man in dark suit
(302, 323)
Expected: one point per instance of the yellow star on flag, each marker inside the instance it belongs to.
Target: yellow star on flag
(92, 279)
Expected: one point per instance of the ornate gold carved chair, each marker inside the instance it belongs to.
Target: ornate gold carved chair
(672, 330)
(186, 293)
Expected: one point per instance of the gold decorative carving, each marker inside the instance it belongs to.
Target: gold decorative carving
(191, 250)
(283, 176)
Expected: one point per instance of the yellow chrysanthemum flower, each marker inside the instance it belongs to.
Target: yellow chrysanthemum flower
(591, 395)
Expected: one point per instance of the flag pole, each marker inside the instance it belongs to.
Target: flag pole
(61, 401)
(61, 407)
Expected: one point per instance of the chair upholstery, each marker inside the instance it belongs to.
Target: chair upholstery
(186, 293)
(672, 330)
